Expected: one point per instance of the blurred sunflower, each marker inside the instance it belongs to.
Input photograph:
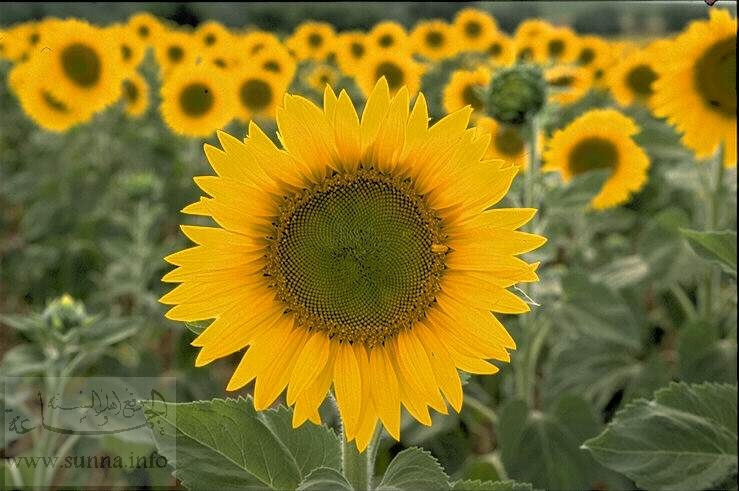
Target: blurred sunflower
(594, 53)
(277, 60)
(567, 83)
(696, 88)
(197, 100)
(507, 144)
(531, 50)
(532, 29)
(464, 89)
(252, 43)
(135, 95)
(388, 36)
(399, 70)
(132, 49)
(174, 49)
(212, 35)
(434, 39)
(600, 139)
(475, 29)
(561, 45)
(312, 41)
(257, 92)
(84, 64)
(632, 78)
(359, 257)
(322, 75)
(500, 50)
(145, 27)
(20, 41)
(351, 51)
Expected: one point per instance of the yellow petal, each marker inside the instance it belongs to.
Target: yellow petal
(444, 369)
(348, 387)
(272, 381)
(385, 391)
(374, 112)
(310, 362)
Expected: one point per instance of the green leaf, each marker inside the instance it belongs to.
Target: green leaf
(622, 272)
(324, 479)
(714, 246)
(703, 357)
(414, 468)
(24, 360)
(686, 438)
(491, 486)
(227, 444)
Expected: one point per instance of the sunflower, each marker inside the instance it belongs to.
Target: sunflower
(435, 40)
(388, 36)
(257, 93)
(360, 257)
(398, 69)
(475, 29)
(351, 51)
(600, 139)
(500, 50)
(197, 100)
(174, 49)
(212, 35)
(464, 89)
(312, 41)
(39, 104)
(508, 145)
(631, 79)
(322, 75)
(277, 60)
(596, 55)
(696, 88)
(83, 63)
(135, 95)
(145, 27)
(531, 29)
(568, 83)
(561, 45)
(252, 43)
(132, 50)
(20, 41)
(530, 51)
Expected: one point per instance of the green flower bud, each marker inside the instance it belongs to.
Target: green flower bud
(517, 94)
(64, 313)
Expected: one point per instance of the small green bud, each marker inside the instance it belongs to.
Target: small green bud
(64, 313)
(516, 94)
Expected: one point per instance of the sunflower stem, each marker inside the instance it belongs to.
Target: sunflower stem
(712, 280)
(532, 171)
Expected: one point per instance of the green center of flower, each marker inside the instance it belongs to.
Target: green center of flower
(587, 55)
(386, 40)
(81, 64)
(272, 66)
(175, 54)
(592, 154)
(434, 39)
(470, 97)
(525, 54)
(143, 31)
(130, 91)
(392, 73)
(209, 39)
(508, 142)
(562, 82)
(196, 99)
(357, 256)
(315, 40)
(556, 47)
(715, 76)
(357, 50)
(33, 39)
(472, 29)
(255, 94)
(54, 103)
(495, 49)
(126, 52)
(640, 80)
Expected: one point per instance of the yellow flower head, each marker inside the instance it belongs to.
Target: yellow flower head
(145, 27)
(561, 45)
(254, 42)
(398, 69)
(312, 41)
(600, 139)
(135, 95)
(388, 36)
(322, 75)
(364, 255)
(131, 49)
(475, 29)
(464, 89)
(175, 49)
(257, 92)
(508, 145)
(212, 35)
(277, 60)
(500, 50)
(568, 83)
(351, 51)
(435, 40)
(631, 80)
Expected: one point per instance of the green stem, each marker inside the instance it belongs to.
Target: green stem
(481, 408)
(684, 301)
(532, 360)
(712, 280)
(532, 172)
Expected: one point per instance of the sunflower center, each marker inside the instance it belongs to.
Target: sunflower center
(640, 80)
(508, 141)
(130, 91)
(495, 49)
(357, 50)
(470, 97)
(556, 48)
(586, 56)
(175, 53)
(143, 31)
(255, 94)
(81, 64)
(472, 29)
(434, 39)
(563, 81)
(593, 154)
(525, 54)
(196, 99)
(315, 40)
(54, 103)
(715, 76)
(126, 52)
(271, 66)
(392, 73)
(210, 39)
(354, 256)
(386, 40)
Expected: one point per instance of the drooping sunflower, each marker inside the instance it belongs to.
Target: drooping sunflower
(174, 49)
(351, 51)
(312, 41)
(567, 83)
(475, 29)
(257, 93)
(322, 75)
(464, 89)
(83, 63)
(197, 100)
(398, 69)
(631, 79)
(277, 60)
(696, 88)
(500, 50)
(388, 36)
(561, 45)
(146, 27)
(135, 95)
(435, 40)
(600, 139)
(508, 145)
(360, 257)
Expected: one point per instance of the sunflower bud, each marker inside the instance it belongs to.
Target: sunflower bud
(516, 94)
(64, 313)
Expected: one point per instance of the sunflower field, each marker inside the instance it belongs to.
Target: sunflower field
(353, 246)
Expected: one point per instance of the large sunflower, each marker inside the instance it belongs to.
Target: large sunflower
(360, 257)
(197, 100)
(465, 88)
(696, 89)
(600, 139)
(388, 36)
(312, 41)
(631, 79)
(135, 95)
(257, 93)
(475, 29)
(399, 69)
(568, 83)
(435, 40)
(352, 48)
